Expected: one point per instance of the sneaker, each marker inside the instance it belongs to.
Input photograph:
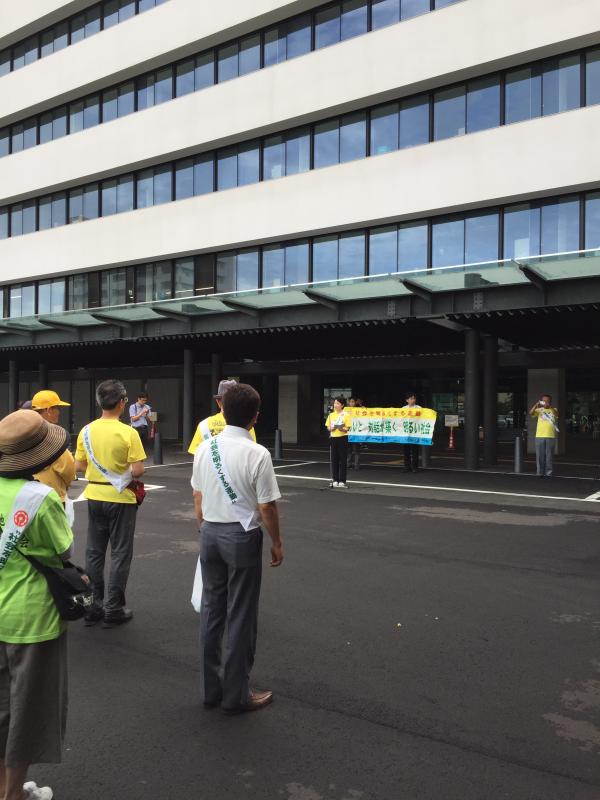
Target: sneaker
(342, 485)
(335, 485)
(94, 616)
(35, 792)
(112, 618)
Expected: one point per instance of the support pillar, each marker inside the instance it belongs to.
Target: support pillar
(216, 371)
(188, 398)
(13, 386)
(472, 399)
(490, 401)
(43, 376)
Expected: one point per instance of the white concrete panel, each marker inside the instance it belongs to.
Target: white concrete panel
(321, 83)
(530, 159)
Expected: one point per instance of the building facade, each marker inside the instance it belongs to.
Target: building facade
(361, 196)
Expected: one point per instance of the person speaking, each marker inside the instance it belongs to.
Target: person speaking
(338, 424)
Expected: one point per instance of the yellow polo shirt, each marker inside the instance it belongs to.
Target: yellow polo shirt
(333, 417)
(545, 429)
(216, 424)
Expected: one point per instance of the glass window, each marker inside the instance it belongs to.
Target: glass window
(109, 105)
(592, 77)
(248, 163)
(4, 62)
(163, 281)
(327, 26)
(29, 134)
(22, 301)
(560, 226)
(275, 45)
(125, 194)
(163, 180)
(411, 8)
(47, 43)
(481, 238)
(184, 277)
(297, 151)
(126, 101)
(412, 246)
(16, 219)
(3, 223)
(592, 221)
(273, 158)
(163, 87)
(144, 283)
(59, 122)
(247, 270)
(298, 36)
(226, 272)
(447, 243)
(29, 216)
(59, 209)
(523, 94)
(327, 143)
(383, 250)
(31, 50)
(44, 213)
(113, 287)
(227, 168)
(91, 201)
(145, 92)
(77, 28)
(296, 263)
(204, 174)
(384, 12)
(353, 136)
(46, 128)
(126, 10)
(204, 73)
(144, 5)
(449, 111)
(483, 104)
(17, 138)
(560, 85)
(75, 206)
(18, 56)
(414, 121)
(325, 258)
(78, 292)
(110, 13)
(92, 21)
(51, 297)
(61, 36)
(249, 57)
(351, 255)
(184, 77)
(354, 18)
(184, 179)
(228, 62)
(91, 112)
(273, 265)
(521, 231)
(109, 197)
(444, 3)
(4, 141)
(205, 274)
(76, 117)
(384, 129)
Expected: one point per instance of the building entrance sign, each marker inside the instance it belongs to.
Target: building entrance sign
(392, 425)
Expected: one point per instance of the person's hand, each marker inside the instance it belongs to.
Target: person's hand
(276, 554)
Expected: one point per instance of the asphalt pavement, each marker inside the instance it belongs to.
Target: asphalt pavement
(428, 637)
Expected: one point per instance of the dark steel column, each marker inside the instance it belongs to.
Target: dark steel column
(13, 386)
(490, 401)
(43, 376)
(216, 369)
(472, 399)
(188, 398)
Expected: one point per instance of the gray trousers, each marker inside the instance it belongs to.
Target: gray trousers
(231, 560)
(114, 524)
(544, 453)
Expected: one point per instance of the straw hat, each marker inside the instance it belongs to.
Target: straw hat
(29, 444)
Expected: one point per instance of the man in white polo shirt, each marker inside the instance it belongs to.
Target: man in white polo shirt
(234, 490)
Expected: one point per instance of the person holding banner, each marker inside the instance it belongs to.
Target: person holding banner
(338, 424)
(213, 425)
(235, 488)
(411, 451)
(545, 434)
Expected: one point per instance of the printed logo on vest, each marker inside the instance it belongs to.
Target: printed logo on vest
(21, 518)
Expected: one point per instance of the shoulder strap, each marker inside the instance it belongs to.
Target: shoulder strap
(242, 509)
(120, 482)
(26, 505)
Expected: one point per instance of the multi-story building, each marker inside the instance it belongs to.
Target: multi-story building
(365, 195)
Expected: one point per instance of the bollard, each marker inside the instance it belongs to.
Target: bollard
(157, 454)
(518, 454)
(278, 453)
(425, 454)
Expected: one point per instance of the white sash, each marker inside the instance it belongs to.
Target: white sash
(243, 511)
(205, 430)
(27, 502)
(120, 482)
(548, 416)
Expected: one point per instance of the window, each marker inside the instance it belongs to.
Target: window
(78, 292)
(75, 206)
(22, 301)
(521, 231)
(384, 129)
(411, 8)
(228, 62)
(125, 194)
(447, 243)
(327, 26)
(51, 297)
(592, 77)
(78, 28)
(31, 50)
(29, 134)
(248, 169)
(76, 117)
(126, 100)
(327, 143)
(353, 137)
(385, 12)
(144, 5)
(412, 246)
(46, 128)
(184, 179)
(16, 219)
(227, 168)
(59, 122)
(92, 21)
(247, 270)
(481, 238)
(91, 201)
(145, 92)
(3, 223)
(126, 9)
(204, 73)
(29, 216)
(59, 209)
(145, 188)
(351, 255)
(144, 283)
(483, 104)
(297, 151)
(226, 272)
(163, 281)
(91, 112)
(354, 18)
(17, 138)
(273, 158)
(18, 56)
(44, 213)
(184, 77)
(275, 45)
(109, 105)
(383, 250)
(184, 277)
(523, 94)
(4, 62)
(47, 43)
(560, 86)
(249, 55)
(325, 258)
(61, 36)
(204, 174)
(592, 221)
(163, 86)
(163, 188)
(113, 287)
(109, 197)
(4, 141)
(273, 265)
(298, 36)
(449, 112)
(414, 121)
(296, 263)
(560, 226)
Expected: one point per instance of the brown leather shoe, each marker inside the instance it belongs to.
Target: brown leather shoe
(256, 701)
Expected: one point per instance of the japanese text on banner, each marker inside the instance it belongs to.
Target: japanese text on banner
(392, 425)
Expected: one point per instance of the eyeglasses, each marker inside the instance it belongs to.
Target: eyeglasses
(125, 399)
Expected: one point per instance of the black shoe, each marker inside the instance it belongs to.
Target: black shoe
(93, 617)
(113, 618)
(208, 704)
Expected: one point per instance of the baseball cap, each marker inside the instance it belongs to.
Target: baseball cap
(47, 399)
(223, 386)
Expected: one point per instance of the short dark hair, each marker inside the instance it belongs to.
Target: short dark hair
(549, 396)
(109, 394)
(241, 404)
(408, 395)
(142, 394)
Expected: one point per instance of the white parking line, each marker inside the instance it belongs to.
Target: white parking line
(447, 489)
(301, 464)
(595, 496)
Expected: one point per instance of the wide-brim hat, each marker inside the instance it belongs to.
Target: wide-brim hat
(29, 444)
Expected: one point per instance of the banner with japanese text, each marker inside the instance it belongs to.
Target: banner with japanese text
(392, 425)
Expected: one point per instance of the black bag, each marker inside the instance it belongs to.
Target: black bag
(70, 587)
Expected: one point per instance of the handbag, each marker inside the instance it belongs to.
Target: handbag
(69, 585)
(137, 487)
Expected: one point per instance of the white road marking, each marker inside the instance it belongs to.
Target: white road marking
(595, 496)
(301, 464)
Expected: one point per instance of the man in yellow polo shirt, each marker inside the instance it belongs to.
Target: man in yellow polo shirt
(545, 434)
(212, 426)
(111, 454)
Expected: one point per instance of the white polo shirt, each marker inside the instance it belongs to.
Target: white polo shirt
(250, 469)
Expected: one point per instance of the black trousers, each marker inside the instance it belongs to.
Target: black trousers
(114, 524)
(143, 432)
(339, 454)
(411, 456)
